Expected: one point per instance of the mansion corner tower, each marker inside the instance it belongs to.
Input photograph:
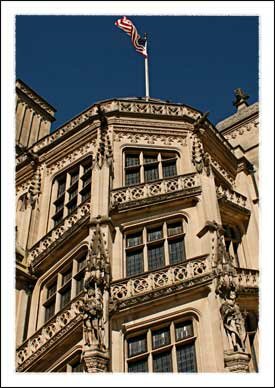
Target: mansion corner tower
(136, 238)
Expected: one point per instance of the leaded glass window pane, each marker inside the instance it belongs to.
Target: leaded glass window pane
(155, 257)
(138, 366)
(184, 330)
(169, 169)
(174, 229)
(134, 239)
(161, 337)
(67, 276)
(134, 263)
(151, 173)
(51, 290)
(132, 178)
(86, 195)
(186, 358)
(49, 311)
(176, 251)
(65, 297)
(162, 362)
(154, 234)
(74, 177)
(137, 345)
(79, 285)
(61, 187)
(132, 160)
(72, 205)
(81, 263)
(150, 158)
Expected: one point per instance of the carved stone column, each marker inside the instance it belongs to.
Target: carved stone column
(96, 300)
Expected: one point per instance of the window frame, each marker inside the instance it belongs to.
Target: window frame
(150, 352)
(146, 245)
(157, 164)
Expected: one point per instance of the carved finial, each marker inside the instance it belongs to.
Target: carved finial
(241, 98)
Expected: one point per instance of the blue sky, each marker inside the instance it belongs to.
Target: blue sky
(75, 61)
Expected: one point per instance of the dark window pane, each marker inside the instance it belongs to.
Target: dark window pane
(58, 218)
(74, 177)
(134, 263)
(86, 194)
(134, 239)
(132, 178)
(138, 366)
(155, 257)
(73, 193)
(59, 206)
(176, 251)
(162, 362)
(65, 297)
(175, 228)
(77, 367)
(150, 158)
(61, 187)
(87, 168)
(184, 330)
(136, 345)
(51, 290)
(151, 173)
(72, 206)
(87, 181)
(66, 276)
(81, 263)
(132, 160)
(79, 284)
(154, 234)
(186, 358)
(49, 311)
(168, 155)
(169, 169)
(161, 337)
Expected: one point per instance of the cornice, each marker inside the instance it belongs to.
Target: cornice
(238, 116)
(34, 97)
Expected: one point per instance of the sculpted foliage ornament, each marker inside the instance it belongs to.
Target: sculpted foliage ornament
(104, 147)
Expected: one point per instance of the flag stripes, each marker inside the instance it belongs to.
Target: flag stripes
(127, 26)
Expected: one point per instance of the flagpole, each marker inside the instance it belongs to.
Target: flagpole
(146, 71)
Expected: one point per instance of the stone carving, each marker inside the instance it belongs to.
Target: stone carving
(231, 196)
(95, 308)
(167, 139)
(68, 159)
(81, 212)
(104, 148)
(54, 330)
(148, 190)
(180, 273)
(241, 97)
(238, 116)
(233, 321)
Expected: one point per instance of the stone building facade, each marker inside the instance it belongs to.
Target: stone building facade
(136, 238)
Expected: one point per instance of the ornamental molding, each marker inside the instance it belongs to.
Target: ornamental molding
(231, 196)
(127, 196)
(140, 136)
(70, 158)
(240, 115)
(151, 125)
(161, 282)
(225, 174)
(35, 98)
(251, 127)
(46, 337)
(121, 106)
(56, 234)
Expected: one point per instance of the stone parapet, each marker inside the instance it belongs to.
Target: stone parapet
(127, 196)
(191, 271)
(231, 196)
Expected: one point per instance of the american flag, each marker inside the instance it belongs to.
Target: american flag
(127, 26)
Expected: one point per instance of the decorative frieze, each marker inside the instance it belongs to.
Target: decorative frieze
(139, 136)
(48, 335)
(71, 157)
(231, 196)
(187, 271)
(240, 115)
(225, 174)
(157, 188)
(242, 130)
(55, 234)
